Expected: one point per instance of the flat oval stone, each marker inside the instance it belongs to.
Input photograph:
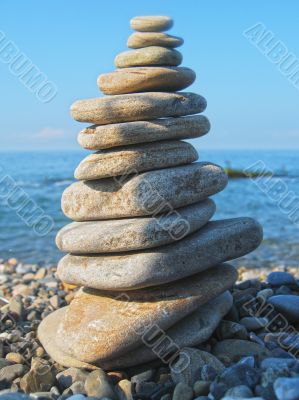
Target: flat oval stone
(216, 242)
(151, 23)
(144, 39)
(287, 304)
(192, 330)
(149, 193)
(137, 107)
(97, 137)
(99, 326)
(142, 79)
(137, 158)
(152, 55)
(134, 233)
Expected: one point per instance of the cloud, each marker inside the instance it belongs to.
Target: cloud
(49, 133)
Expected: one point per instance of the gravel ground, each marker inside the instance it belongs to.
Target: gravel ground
(252, 354)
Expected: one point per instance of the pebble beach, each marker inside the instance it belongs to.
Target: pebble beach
(251, 353)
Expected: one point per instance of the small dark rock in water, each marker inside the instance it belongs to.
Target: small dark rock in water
(288, 305)
(280, 278)
(287, 388)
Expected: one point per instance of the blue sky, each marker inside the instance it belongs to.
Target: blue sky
(251, 103)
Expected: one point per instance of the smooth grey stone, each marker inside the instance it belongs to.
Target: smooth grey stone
(137, 107)
(138, 158)
(148, 56)
(235, 349)
(150, 193)
(240, 374)
(97, 137)
(288, 305)
(254, 323)
(13, 396)
(189, 373)
(97, 384)
(216, 242)
(239, 392)
(77, 397)
(99, 327)
(182, 392)
(287, 388)
(280, 278)
(144, 39)
(10, 373)
(151, 23)
(67, 377)
(276, 362)
(134, 233)
(230, 330)
(192, 330)
(146, 79)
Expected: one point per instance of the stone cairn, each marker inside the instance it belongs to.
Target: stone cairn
(142, 248)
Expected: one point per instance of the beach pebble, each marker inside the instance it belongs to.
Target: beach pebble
(135, 158)
(197, 360)
(182, 391)
(148, 56)
(288, 305)
(97, 137)
(143, 79)
(10, 373)
(124, 388)
(230, 330)
(235, 349)
(287, 388)
(239, 374)
(280, 278)
(144, 39)
(254, 323)
(239, 392)
(217, 390)
(97, 384)
(137, 107)
(201, 388)
(151, 23)
(40, 378)
(69, 376)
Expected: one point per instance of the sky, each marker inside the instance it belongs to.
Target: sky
(253, 100)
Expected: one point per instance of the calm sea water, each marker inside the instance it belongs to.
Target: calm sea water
(44, 176)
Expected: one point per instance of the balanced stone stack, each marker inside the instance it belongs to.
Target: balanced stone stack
(142, 248)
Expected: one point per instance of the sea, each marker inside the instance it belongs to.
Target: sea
(41, 177)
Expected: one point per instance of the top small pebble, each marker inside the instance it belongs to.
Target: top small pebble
(151, 23)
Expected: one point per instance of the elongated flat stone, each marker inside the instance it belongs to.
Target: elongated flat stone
(97, 137)
(97, 327)
(134, 233)
(137, 107)
(142, 79)
(138, 158)
(149, 193)
(144, 39)
(151, 23)
(152, 55)
(216, 242)
(190, 331)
